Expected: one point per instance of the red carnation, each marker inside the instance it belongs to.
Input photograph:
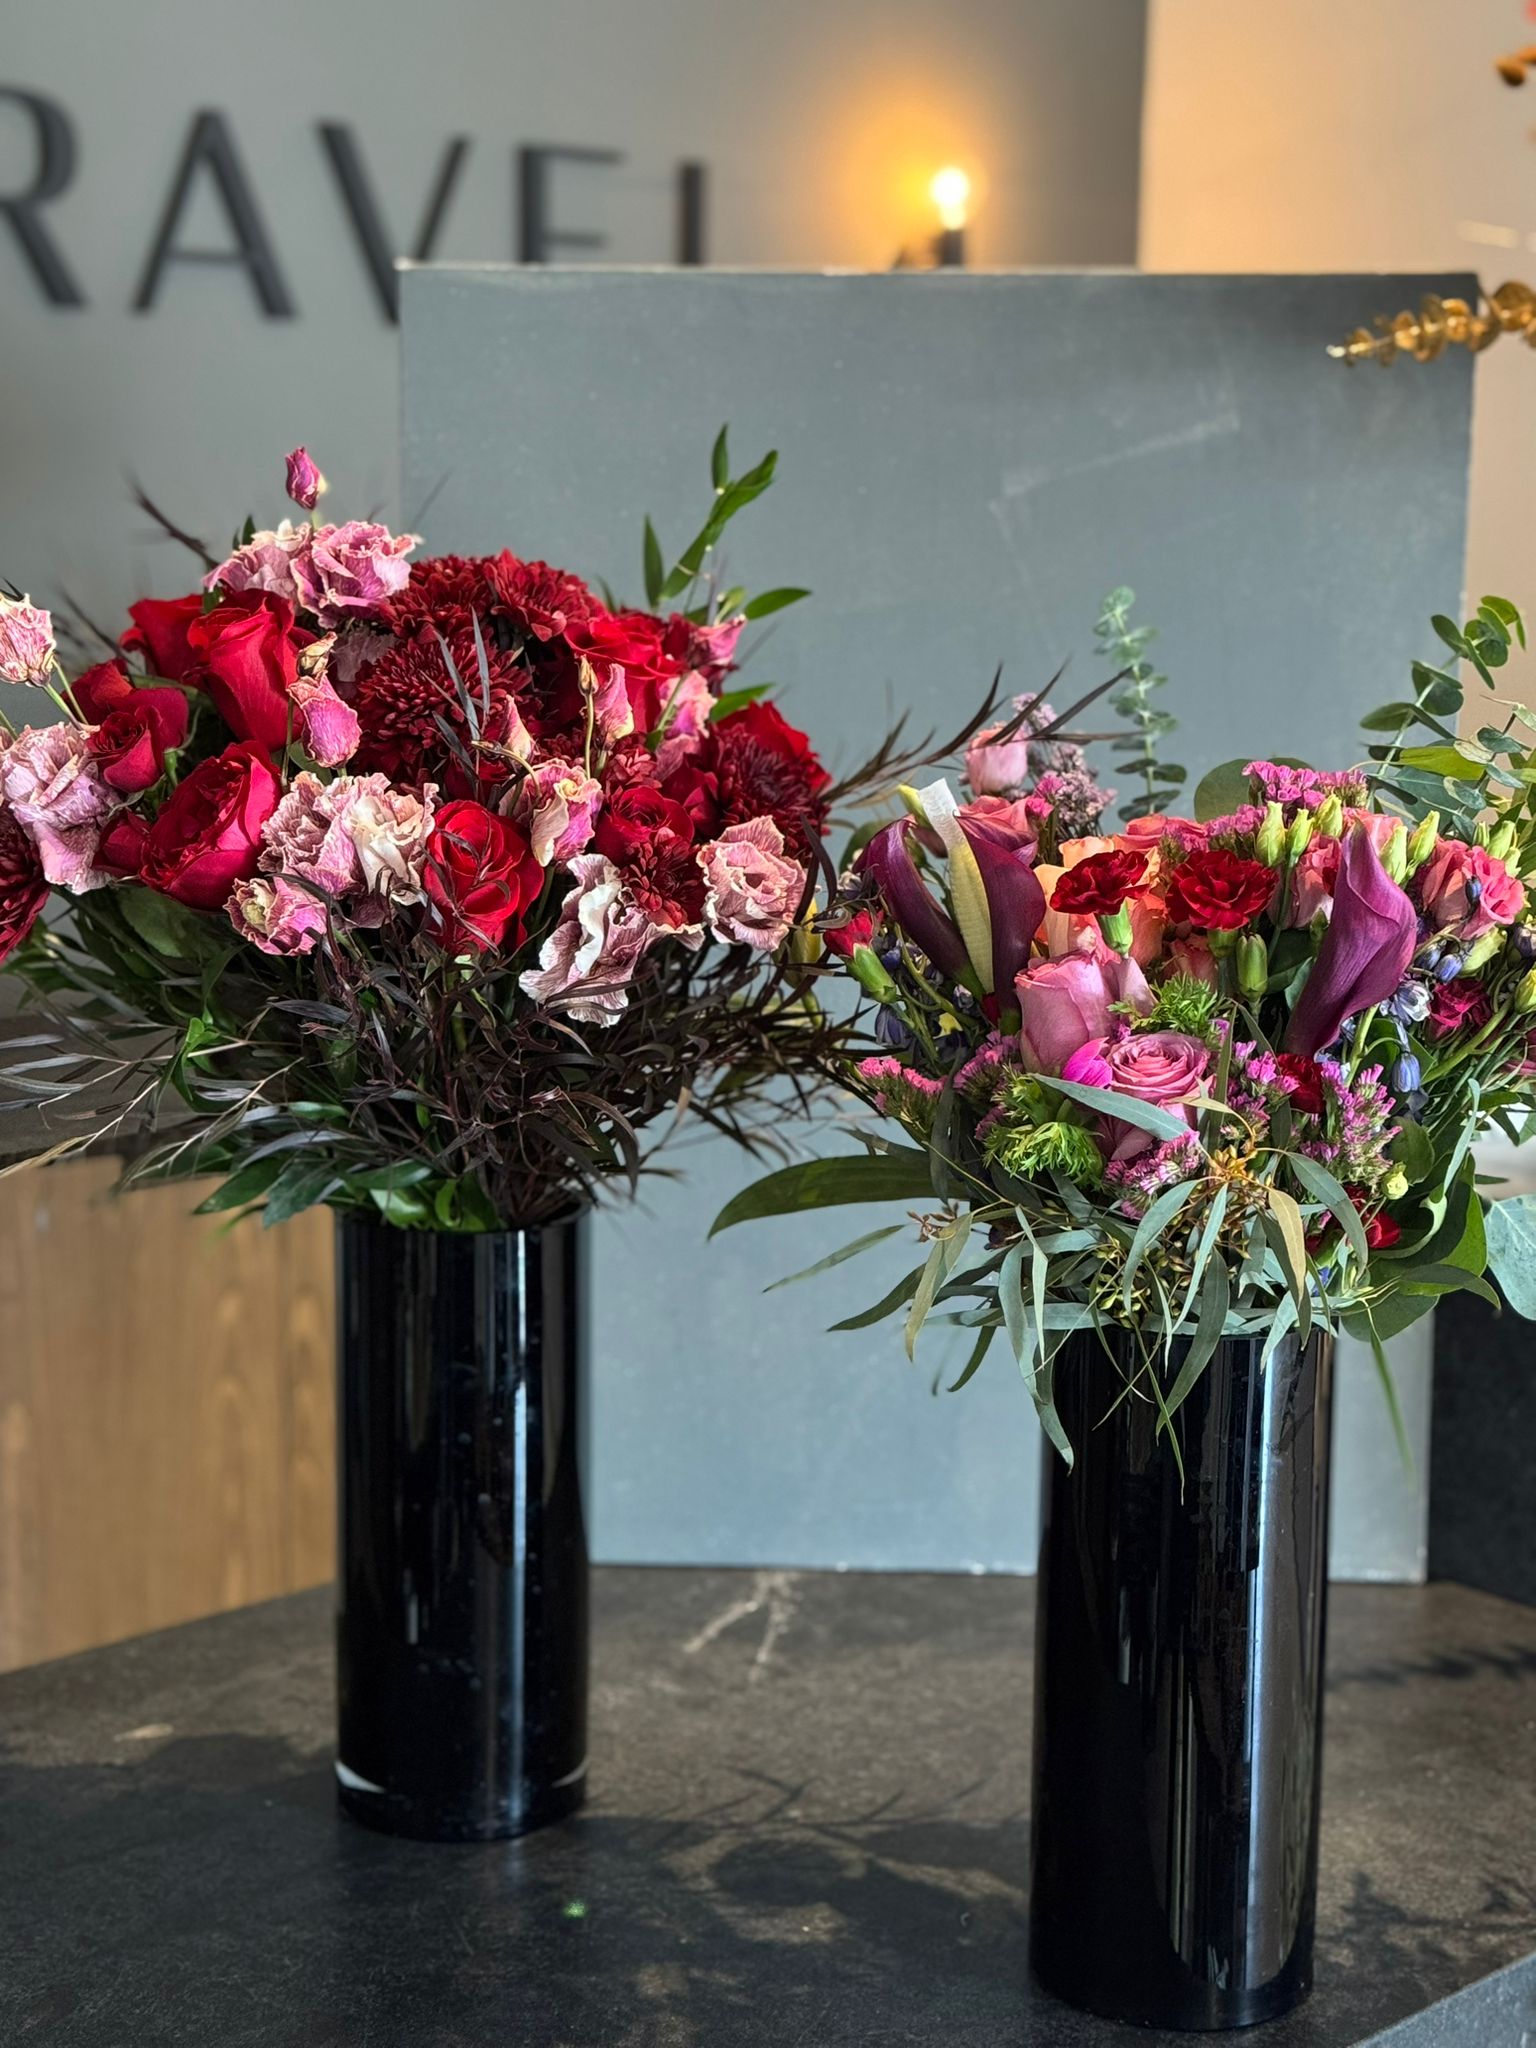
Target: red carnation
(1218, 890)
(23, 888)
(1462, 1005)
(248, 658)
(136, 726)
(481, 875)
(1307, 1095)
(763, 767)
(159, 633)
(857, 930)
(1099, 885)
(208, 834)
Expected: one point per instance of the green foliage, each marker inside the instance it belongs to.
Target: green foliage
(1182, 1003)
(1451, 773)
(1124, 646)
(1511, 1228)
(667, 585)
(900, 1174)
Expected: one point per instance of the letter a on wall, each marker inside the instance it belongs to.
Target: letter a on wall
(210, 148)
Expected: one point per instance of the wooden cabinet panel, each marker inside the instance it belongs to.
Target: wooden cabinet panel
(166, 1410)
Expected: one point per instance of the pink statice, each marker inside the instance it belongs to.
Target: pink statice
(1358, 1120)
(901, 1091)
(276, 915)
(977, 1081)
(1239, 824)
(1276, 783)
(352, 568)
(26, 642)
(265, 562)
(556, 805)
(588, 961)
(1141, 1179)
(50, 779)
(751, 890)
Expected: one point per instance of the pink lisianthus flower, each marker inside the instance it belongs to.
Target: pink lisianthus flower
(306, 486)
(613, 716)
(307, 837)
(1089, 1066)
(354, 837)
(50, 779)
(1466, 892)
(26, 642)
(265, 562)
(691, 703)
(352, 568)
(589, 959)
(557, 804)
(751, 890)
(1065, 1004)
(390, 828)
(276, 915)
(328, 727)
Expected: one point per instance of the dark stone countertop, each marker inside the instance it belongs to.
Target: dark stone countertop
(809, 1828)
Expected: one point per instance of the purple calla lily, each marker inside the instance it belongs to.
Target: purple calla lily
(1015, 899)
(894, 873)
(1365, 951)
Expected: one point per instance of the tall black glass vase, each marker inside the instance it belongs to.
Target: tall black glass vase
(461, 1629)
(1178, 1703)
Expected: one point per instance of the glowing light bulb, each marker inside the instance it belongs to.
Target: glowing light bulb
(950, 191)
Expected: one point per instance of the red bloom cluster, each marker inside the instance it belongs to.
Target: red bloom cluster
(1219, 890)
(1099, 885)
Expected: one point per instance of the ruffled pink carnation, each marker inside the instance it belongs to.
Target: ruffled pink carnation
(265, 562)
(277, 915)
(589, 959)
(557, 804)
(26, 641)
(307, 836)
(354, 567)
(751, 890)
(52, 783)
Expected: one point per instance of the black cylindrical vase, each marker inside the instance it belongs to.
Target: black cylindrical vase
(461, 1630)
(1178, 1689)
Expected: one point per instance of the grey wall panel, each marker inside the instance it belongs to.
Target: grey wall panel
(968, 464)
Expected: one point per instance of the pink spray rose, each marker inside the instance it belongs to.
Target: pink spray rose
(1167, 1068)
(1065, 1004)
(992, 768)
(52, 783)
(277, 915)
(1312, 882)
(355, 567)
(1465, 891)
(305, 483)
(556, 806)
(26, 642)
(751, 890)
(1006, 821)
(1193, 958)
(589, 959)
(265, 562)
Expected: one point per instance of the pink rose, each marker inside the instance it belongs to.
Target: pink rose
(1465, 891)
(992, 768)
(277, 916)
(328, 727)
(1378, 826)
(355, 567)
(1167, 1068)
(1005, 821)
(1312, 882)
(52, 782)
(265, 562)
(26, 642)
(1194, 958)
(556, 805)
(751, 890)
(1065, 1004)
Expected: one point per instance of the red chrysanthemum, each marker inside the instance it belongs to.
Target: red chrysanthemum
(23, 890)
(447, 590)
(400, 698)
(1218, 891)
(763, 767)
(1099, 885)
(650, 838)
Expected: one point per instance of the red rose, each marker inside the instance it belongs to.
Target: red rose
(651, 837)
(634, 818)
(637, 641)
(1218, 890)
(857, 930)
(135, 726)
(1099, 885)
(23, 889)
(1307, 1095)
(1381, 1233)
(120, 849)
(249, 658)
(481, 875)
(159, 633)
(208, 835)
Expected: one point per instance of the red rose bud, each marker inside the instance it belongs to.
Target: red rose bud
(480, 875)
(1218, 891)
(1099, 885)
(248, 661)
(305, 483)
(857, 930)
(208, 834)
(120, 849)
(1381, 1233)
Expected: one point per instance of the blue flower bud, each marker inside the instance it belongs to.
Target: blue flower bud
(1448, 967)
(1407, 1078)
(891, 1029)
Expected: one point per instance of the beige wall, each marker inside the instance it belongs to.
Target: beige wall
(1350, 135)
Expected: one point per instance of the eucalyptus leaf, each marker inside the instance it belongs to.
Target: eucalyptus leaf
(847, 1251)
(1126, 1109)
(1511, 1236)
(899, 1175)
